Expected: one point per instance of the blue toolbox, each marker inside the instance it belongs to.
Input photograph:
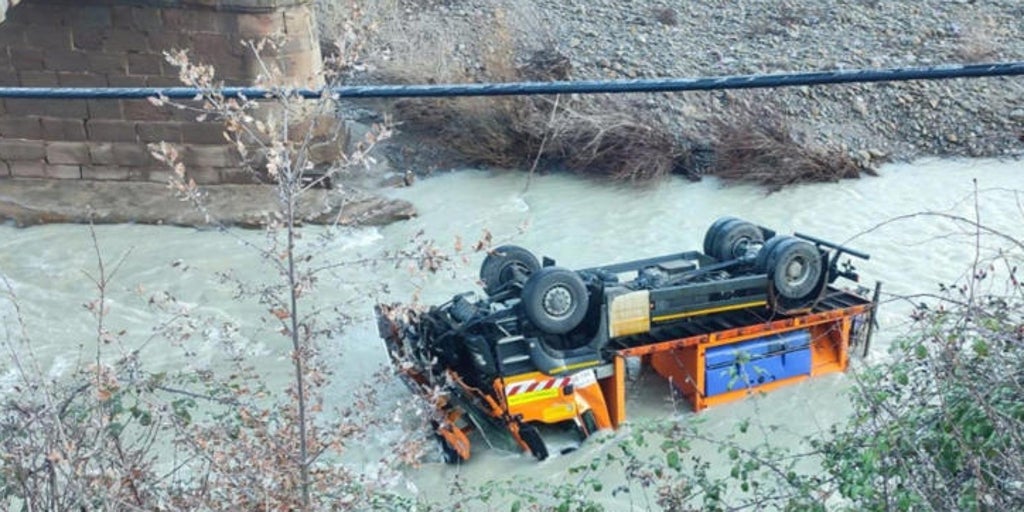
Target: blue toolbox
(759, 361)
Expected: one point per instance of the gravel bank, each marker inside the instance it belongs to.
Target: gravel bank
(658, 38)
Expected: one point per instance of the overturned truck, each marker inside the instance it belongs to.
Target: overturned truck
(546, 345)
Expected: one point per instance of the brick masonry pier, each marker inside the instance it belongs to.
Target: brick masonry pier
(120, 43)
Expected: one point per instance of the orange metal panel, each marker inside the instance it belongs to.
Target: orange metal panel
(594, 397)
(614, 389)
(682, 360)
(682, 367)
(830, 347)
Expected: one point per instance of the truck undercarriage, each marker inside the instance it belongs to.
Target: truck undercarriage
(545, 344)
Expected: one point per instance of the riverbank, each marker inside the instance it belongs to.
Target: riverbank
(774, 138)
(28, 202)
(500, 40)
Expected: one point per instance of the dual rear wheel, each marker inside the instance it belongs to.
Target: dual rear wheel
(794, 266)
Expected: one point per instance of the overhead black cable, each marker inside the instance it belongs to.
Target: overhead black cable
(528, 88)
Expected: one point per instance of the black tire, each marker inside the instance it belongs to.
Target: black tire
(529, 434)
(448, 452)
(555, 300)
(733, 239)
(796, 268)
(762, 265)
(723, 227)
(712, 233)
(589, 424)
(503, 264)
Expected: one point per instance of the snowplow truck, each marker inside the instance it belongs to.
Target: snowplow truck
(545, 345)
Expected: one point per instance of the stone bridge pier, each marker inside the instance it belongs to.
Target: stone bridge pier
(120, 43)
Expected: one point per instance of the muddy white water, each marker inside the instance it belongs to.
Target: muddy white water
(577, 222)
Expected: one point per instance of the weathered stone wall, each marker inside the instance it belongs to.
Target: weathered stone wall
(120, 43)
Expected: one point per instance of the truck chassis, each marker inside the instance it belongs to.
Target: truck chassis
(547, 345)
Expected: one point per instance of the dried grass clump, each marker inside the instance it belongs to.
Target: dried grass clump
(616, 144)
(502, 132)
(755, 143)
(610, 140)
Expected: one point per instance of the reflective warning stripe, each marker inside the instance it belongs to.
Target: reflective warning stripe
(532, 386)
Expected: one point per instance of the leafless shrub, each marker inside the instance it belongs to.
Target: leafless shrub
(615, 144)
(61, 440)
(92, 440)
(753, 142)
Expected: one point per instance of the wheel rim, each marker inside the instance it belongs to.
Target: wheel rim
(739, 247)
(796, 268)
(797, 272)
(558, 301)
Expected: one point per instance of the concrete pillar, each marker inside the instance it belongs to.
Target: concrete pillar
(120, 43)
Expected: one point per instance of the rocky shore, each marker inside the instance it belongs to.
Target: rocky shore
(27, 202)
(431, 40)
(441, 41)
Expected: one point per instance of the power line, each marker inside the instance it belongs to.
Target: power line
(944, 72)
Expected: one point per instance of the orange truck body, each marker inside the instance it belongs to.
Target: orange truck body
(547, 345)
(594, 397)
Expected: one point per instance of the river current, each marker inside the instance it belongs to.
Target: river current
(577, 222)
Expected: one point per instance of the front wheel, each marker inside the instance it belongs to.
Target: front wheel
(555, 300)
(506, 264)
(531, 437)
(712, 233)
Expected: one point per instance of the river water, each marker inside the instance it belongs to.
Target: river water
(578, 222)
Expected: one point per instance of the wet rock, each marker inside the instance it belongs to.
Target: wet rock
(368, 211)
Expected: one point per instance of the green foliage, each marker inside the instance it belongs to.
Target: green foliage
(941, 426)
